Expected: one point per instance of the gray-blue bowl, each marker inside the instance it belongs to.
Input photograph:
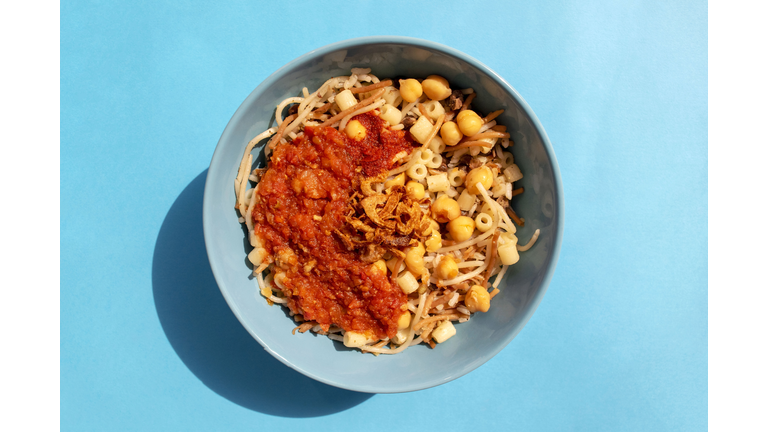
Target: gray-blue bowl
(476, 341)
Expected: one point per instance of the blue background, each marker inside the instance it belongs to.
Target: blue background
(619, 341)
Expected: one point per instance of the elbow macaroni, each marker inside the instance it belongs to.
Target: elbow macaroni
(408, 282)
(345, 100)
(417, 172)
(390, 114)
(438, 182)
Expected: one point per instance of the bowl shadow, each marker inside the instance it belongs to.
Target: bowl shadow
(207, 336)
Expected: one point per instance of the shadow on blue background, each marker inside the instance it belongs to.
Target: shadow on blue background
(210, 340)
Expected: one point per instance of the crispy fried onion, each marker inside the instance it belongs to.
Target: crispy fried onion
(381, 222)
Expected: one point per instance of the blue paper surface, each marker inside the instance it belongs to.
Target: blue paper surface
(619, 341)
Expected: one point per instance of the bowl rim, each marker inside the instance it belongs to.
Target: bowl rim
(422, 43)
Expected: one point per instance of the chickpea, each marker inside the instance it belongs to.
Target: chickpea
(410, 89)
(436, 87)
(477, 299)
(447, 268)
(434, 226)
(469, 122)
(461, 228)
(482, 175)
(414, 259)
(404, 321)
(415, 190)
(397, 181)
(434, 242)
(445, 209)
(355, 130)
(450, 133)
(380, 266)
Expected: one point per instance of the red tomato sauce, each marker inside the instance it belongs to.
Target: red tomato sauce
(303, 198)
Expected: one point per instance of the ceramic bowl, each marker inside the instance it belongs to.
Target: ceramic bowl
(477, 340)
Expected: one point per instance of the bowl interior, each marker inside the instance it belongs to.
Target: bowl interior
(477, 340)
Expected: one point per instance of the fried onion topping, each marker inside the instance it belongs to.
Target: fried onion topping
(380, 222)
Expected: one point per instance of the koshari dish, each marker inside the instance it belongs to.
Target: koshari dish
(384, 212)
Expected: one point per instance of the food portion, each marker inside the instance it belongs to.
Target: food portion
(383, 215)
